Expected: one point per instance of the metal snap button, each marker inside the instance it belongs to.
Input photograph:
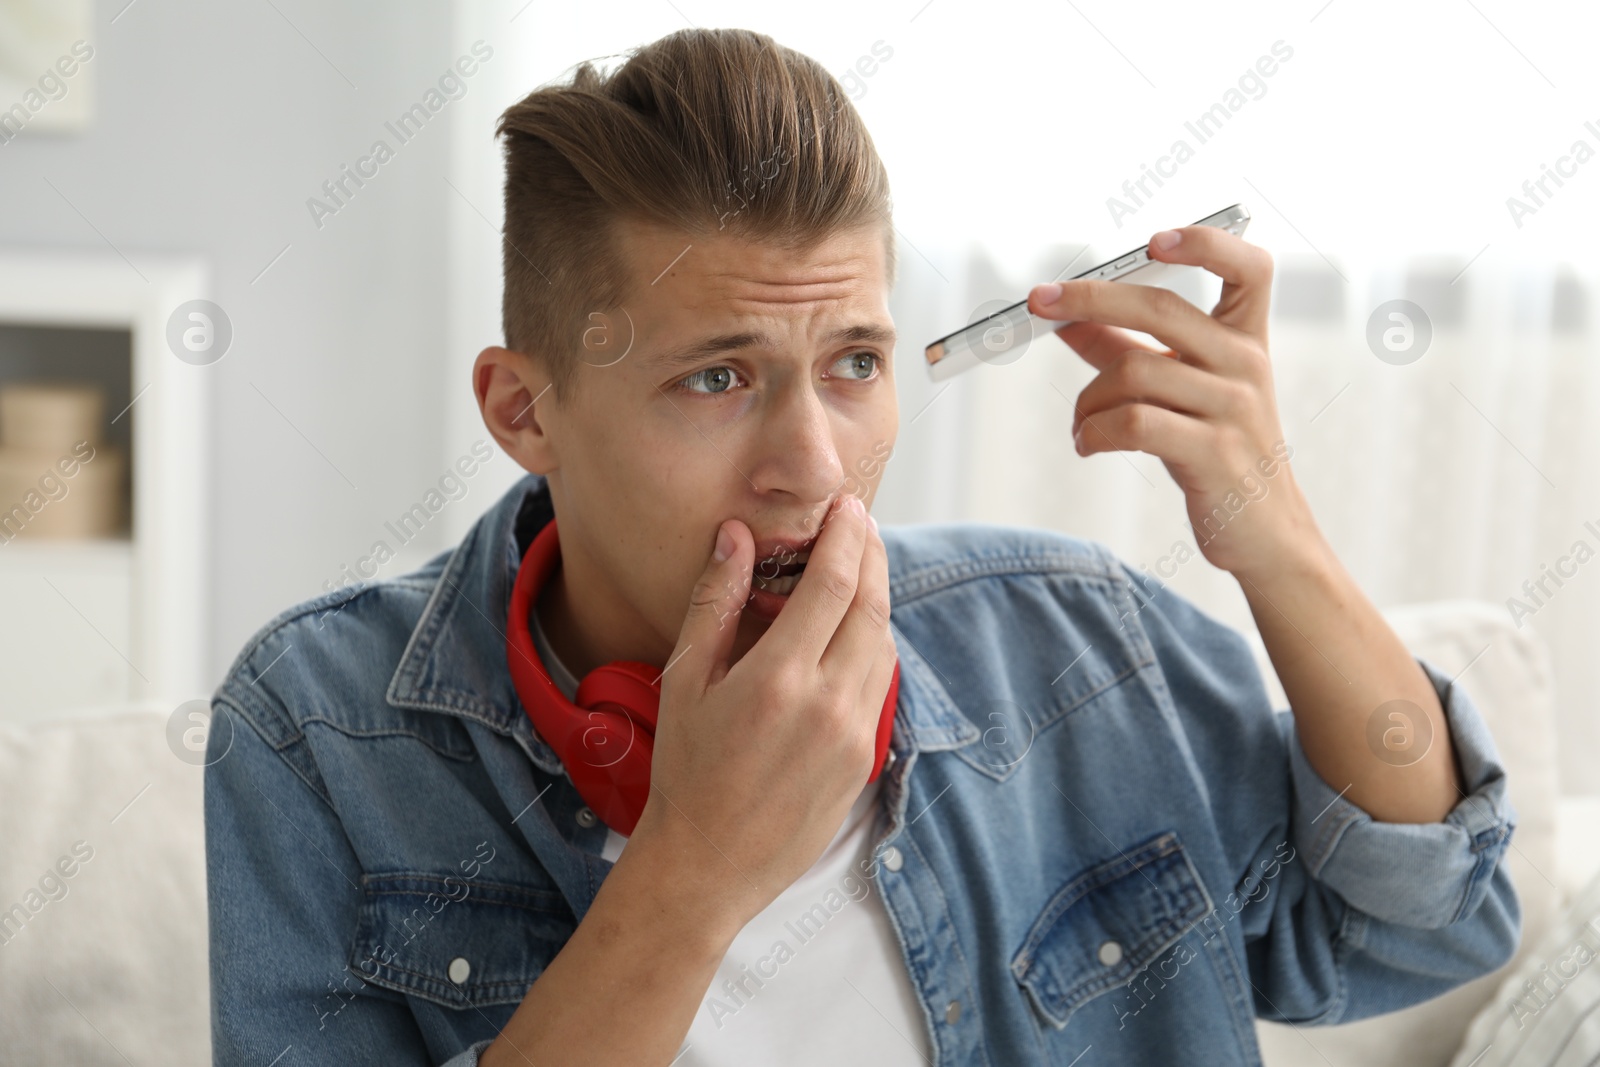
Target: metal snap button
(952, 1012)
(586, 818)
(1110, 953)
(892, 858)
(460, 969)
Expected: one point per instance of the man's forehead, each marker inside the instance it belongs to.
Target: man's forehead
(699, 296)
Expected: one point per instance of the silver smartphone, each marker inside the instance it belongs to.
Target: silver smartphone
(1010, 328)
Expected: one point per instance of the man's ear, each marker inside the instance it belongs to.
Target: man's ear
(513, 390)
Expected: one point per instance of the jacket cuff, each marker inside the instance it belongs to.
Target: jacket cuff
(468, 1057)
(1447, 864)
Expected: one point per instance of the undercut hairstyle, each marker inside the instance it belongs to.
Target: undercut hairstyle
(707, 131)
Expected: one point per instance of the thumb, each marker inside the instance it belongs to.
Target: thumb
(716, 604)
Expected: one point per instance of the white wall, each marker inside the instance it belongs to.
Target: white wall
(213, 124)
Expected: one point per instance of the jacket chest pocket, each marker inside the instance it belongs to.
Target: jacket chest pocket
(455, 941)
(1107, 924)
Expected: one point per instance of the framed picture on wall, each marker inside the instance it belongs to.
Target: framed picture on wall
(46, 67)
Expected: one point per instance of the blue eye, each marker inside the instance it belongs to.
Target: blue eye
(873, 362)
(707, 375)
(720, 379)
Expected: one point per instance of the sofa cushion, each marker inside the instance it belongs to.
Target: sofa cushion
(102, 893)
(1546, 1012)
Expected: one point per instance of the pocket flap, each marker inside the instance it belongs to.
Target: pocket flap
(1107, 924)
(454, 940)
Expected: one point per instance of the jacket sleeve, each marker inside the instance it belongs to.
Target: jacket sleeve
(1340, 916)
(282, 895)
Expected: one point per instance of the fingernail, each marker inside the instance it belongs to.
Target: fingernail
(1047, 294)
(724, 547)
(855, 504)
(873, 521)
(1166, 239)
(1077, 440)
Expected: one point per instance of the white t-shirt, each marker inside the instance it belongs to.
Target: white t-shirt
(818, 975)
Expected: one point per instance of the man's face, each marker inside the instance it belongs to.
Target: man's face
(661, 444)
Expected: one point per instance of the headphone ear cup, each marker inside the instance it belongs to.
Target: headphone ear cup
(604, 737)
(610, 758)
(625, 686)
(611, 768)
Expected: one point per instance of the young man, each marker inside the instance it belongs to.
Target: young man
(1088, 827)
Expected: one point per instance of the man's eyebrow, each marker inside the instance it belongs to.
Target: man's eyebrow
(695, 351)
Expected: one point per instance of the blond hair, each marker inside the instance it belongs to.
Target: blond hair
(705, 131)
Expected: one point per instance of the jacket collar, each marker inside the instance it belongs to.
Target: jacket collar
(455, 660)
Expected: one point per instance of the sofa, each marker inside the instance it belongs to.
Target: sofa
(1554, 853)
(102, 849)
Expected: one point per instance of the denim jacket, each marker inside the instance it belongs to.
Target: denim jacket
(1094, 829)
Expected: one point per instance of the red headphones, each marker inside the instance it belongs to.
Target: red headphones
(605, 737)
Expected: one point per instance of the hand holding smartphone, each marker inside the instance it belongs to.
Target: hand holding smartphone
(1013, 327)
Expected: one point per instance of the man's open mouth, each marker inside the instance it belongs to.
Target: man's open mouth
(781, 573)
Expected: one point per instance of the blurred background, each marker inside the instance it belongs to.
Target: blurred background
(224, 382)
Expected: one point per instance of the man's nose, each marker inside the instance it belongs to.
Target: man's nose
(797, 450)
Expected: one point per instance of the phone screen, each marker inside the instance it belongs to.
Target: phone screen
(1001, 337)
